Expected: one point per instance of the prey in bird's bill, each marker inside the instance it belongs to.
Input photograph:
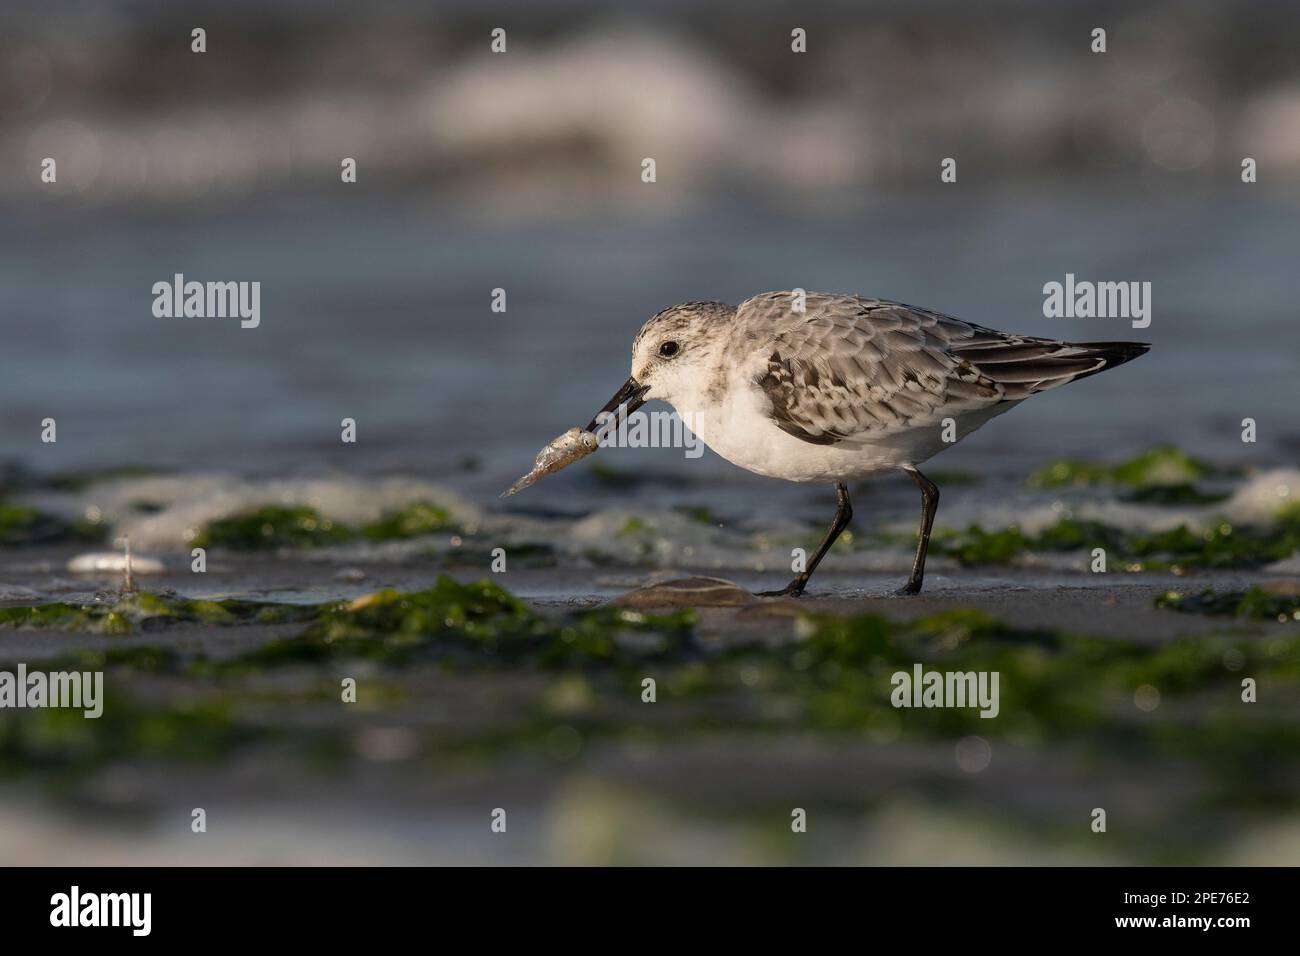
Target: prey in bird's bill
(842, 389)
(559, 452)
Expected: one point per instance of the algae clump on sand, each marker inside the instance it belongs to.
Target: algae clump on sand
(475, 624)
(273, 526)
(1163, 465)
(143, 611)
(1255, 602)
(301, 526)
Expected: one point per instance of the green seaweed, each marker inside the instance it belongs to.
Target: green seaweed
(272, 526)
(471, 623)
(59, 741)
(1220, 546)
(301, 526)
(22, 524)
(633, 526)
(1064, 686)
(977, 546)
(18, 522)
(1253, 602)
(481, 610)
(138, 660)
(1180, 494)
(143, 611)
(415, 519)
(1162, 465)
(701, 515)
(1002, 546)
(636, 531)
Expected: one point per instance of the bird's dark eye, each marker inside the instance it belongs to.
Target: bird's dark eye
(668, 349)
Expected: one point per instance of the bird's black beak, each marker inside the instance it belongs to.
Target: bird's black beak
(631, 396)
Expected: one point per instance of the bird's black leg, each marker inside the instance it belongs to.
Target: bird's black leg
(843, 515)
(929, 506)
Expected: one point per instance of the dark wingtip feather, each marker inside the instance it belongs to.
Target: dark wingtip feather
(1124, 350)
(1112, 354)
(1025, 366)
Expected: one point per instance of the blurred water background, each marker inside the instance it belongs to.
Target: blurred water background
(522, 171)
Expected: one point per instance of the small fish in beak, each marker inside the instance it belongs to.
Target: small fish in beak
(560, 452)
(578, 443)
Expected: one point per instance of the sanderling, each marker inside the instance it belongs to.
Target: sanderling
(842, 389)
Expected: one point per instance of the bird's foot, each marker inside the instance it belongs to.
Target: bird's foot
(793, 589)
(909, 589)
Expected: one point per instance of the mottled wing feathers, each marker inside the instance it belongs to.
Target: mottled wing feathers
(849, 368)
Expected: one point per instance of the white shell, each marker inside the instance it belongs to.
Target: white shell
(98, 562)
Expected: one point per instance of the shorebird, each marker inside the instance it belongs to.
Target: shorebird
(831, 388)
